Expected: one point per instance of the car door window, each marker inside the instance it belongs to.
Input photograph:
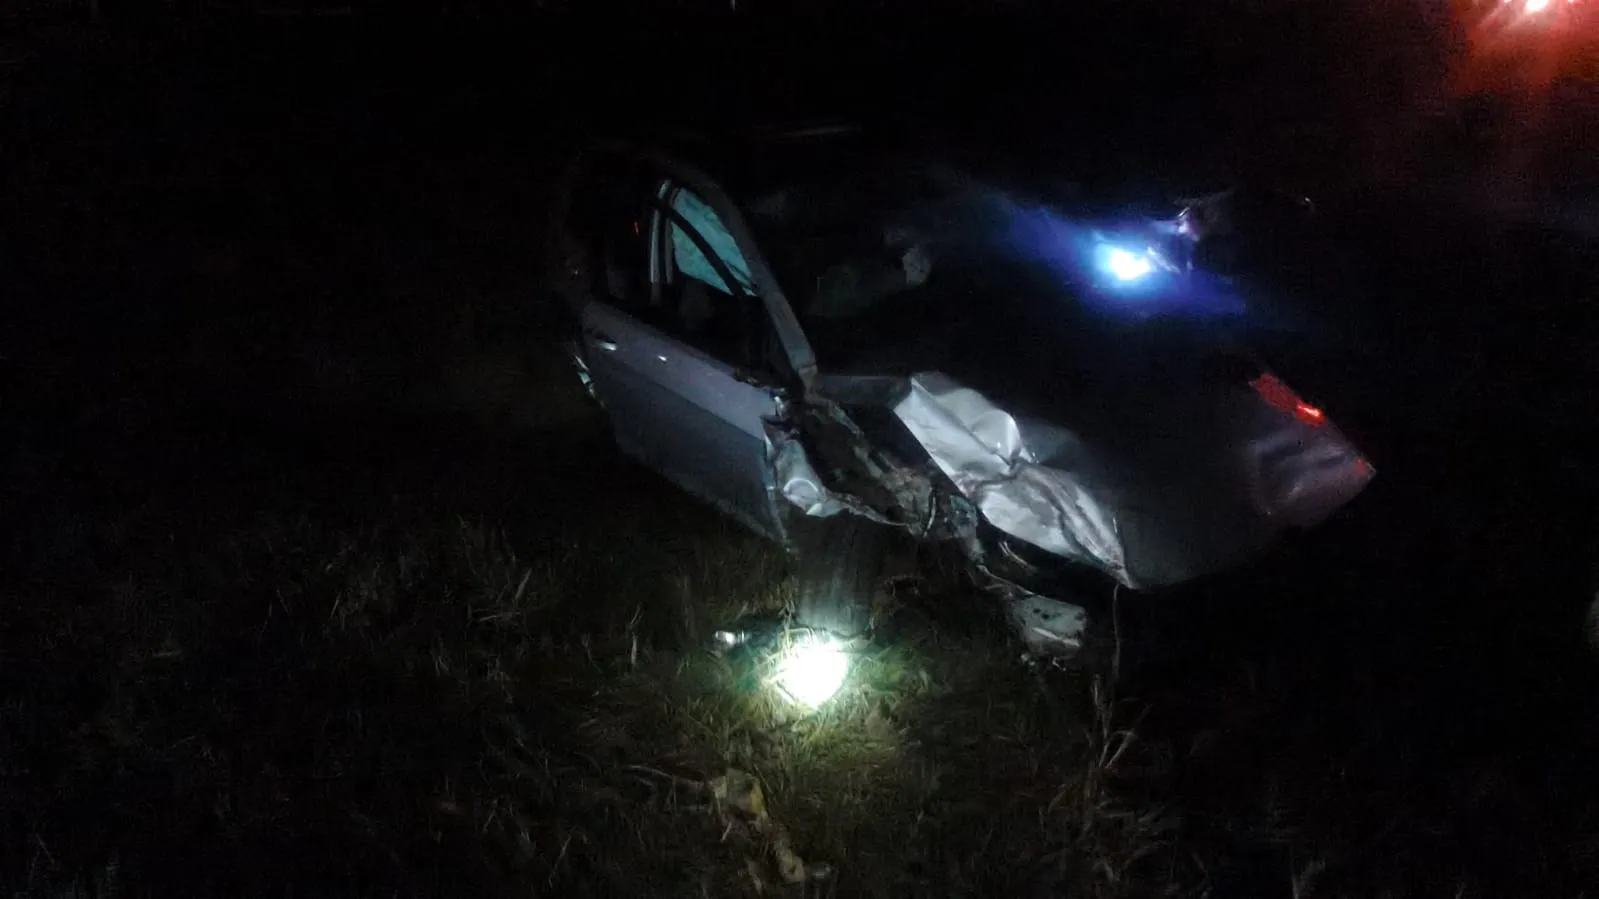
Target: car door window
(662, 254)
(699, 272)
(689, 256)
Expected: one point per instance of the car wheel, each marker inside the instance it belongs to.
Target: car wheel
(841, 561)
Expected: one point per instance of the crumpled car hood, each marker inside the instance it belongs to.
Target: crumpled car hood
(1190, 483)
(980, 448)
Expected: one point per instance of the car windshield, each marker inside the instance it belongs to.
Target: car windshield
(893, 267)
(814, 224)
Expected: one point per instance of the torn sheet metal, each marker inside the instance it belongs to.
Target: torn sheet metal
(980, 448)
(799, 483)
(1148, 513)
(859, 479)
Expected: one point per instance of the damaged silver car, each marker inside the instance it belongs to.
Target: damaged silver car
(846, 349)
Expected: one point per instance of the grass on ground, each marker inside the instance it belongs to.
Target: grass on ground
(304, 699)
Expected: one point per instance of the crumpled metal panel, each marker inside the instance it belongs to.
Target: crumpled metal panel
(1043, 484)
(904, 496)
(980, 448)
(799, 483)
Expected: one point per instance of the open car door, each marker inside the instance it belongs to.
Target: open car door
(675, 348)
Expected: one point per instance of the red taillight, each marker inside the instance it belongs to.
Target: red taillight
(1284, 399)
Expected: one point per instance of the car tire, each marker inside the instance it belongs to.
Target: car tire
(840, 568)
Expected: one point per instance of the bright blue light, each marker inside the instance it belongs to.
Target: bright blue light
(1127, 266)
(1115, 267)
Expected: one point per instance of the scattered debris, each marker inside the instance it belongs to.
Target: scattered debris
(1049, 627)
(742, 804)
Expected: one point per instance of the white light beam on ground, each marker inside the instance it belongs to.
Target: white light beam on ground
(811, 670)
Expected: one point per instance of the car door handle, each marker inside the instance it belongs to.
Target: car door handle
(602, 340)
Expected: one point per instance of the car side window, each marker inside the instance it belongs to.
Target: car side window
(699, 272)
(658, 251)
(701, 246)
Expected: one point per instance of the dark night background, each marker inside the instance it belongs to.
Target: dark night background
(316, 577)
